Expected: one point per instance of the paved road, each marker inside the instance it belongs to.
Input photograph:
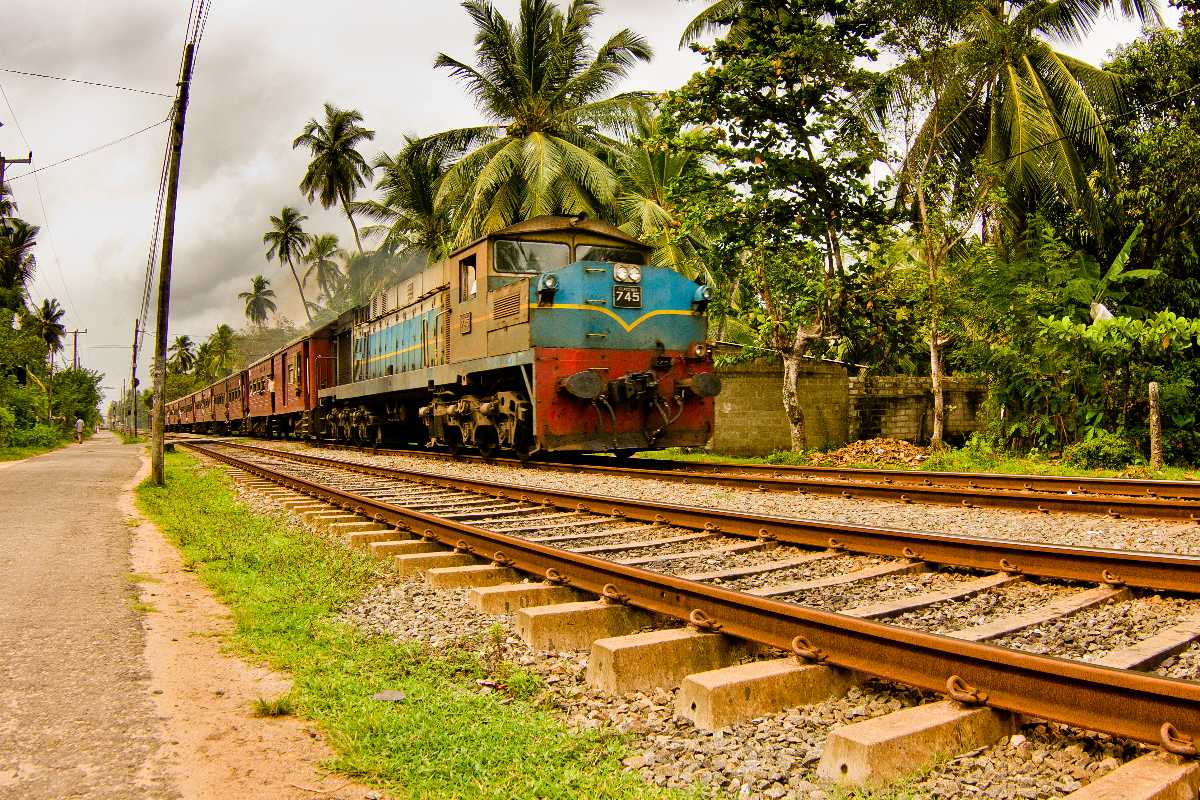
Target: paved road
(76, 719)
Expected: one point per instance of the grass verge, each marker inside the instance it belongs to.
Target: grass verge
(447, 739)
(17, 453)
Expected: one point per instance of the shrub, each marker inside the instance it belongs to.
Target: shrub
(1104, 450)
(37, 436)
(8, 422)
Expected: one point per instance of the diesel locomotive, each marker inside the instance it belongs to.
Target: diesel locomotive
(553, 335)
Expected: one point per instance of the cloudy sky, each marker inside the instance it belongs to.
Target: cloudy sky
(263, 70)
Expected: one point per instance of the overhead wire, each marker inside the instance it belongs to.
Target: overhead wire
(81, 80)
(95, 149)
(193, 32)
(70, 308)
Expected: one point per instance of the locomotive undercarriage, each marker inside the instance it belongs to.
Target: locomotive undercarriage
(488, 414)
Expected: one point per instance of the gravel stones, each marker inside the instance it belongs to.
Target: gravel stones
(1093, 632)
(1073, 530)
(1184, 666)
(984, 607)
(821, 568)
(840, 597)
(1042, 761)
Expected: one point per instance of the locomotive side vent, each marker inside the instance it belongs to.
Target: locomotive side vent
(508, 306)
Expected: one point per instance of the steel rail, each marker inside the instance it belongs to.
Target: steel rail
(1117, 702)
(1157, 571)
(1109, 496)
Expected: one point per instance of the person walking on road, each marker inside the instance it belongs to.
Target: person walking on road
(79, 430)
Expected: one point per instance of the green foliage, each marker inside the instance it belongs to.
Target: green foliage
(337, 170)
(790, 205)
(1158, 159)
(8, 424)
(546, 91)
(1102, 450)
(285, 588)
(39, 436)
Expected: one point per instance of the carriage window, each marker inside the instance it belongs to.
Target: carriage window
(468, 279)
(612, 255)
(513, 256)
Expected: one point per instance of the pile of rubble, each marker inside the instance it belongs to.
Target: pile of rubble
(881, 452)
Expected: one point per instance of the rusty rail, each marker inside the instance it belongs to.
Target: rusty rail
(1158, 571)
(1117, 702)
(1109, 496)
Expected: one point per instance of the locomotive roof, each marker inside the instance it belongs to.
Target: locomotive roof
(555, 224)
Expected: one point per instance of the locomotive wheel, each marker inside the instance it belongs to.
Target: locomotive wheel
(486, 441)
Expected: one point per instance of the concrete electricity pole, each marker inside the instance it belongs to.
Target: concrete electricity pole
(133, 381)
(164, 273)
(75, 349)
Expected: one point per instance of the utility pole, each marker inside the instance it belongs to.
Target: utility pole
(75, 349)
(133, 381)
(164, 273)
(6, 161)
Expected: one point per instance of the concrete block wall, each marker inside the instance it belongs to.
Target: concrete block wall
(750, 419)
(837, 408)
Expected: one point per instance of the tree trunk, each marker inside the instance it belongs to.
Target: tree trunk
(792, 358)
(791, 401)
(353, 224)
(939, 398)
(1156, 449)
(300, 289)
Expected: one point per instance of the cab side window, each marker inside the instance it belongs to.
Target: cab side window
(468, 279)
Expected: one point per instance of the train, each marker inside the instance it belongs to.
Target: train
(553, 335)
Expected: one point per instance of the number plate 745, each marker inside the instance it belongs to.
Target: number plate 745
(627, 297)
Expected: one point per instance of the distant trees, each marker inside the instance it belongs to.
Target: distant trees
(182, 355)
(337, 170)
(287, 241)
(260, 300)
(323, 267)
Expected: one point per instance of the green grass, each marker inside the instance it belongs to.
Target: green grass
(17, 453)
(447, 739)
(128, 438)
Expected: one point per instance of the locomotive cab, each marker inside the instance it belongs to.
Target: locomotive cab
(553, 334)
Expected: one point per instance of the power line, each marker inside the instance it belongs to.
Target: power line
(74, 311)
(96, 149)
(80, 80)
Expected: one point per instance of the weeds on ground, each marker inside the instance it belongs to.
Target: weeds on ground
(281, 706)
(451, 737)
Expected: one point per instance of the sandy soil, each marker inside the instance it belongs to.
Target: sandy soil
(214, 747)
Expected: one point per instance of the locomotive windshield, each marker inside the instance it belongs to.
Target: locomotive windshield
(513, 256)
(613, 255)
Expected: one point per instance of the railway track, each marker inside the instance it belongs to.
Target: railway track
(1116, 497)
(747, 576)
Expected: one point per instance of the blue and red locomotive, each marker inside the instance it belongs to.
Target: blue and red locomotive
(550, 335)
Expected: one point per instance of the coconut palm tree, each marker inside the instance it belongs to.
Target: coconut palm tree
(46, 322)
(17, 262)
(8, 206)
(546, 94)
(183, 354)
(1009, 97)
(407, 215)
(287, 241)
(203, 364)
(337, 170)
(322, 263)
(645, 169)
(220, 351)
(260, 300)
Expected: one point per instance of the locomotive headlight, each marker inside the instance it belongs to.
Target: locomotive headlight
(547, 284)
(702, 297)
(621, 273)
(635, 274)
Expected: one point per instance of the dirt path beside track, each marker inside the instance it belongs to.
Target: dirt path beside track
(113, 683)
